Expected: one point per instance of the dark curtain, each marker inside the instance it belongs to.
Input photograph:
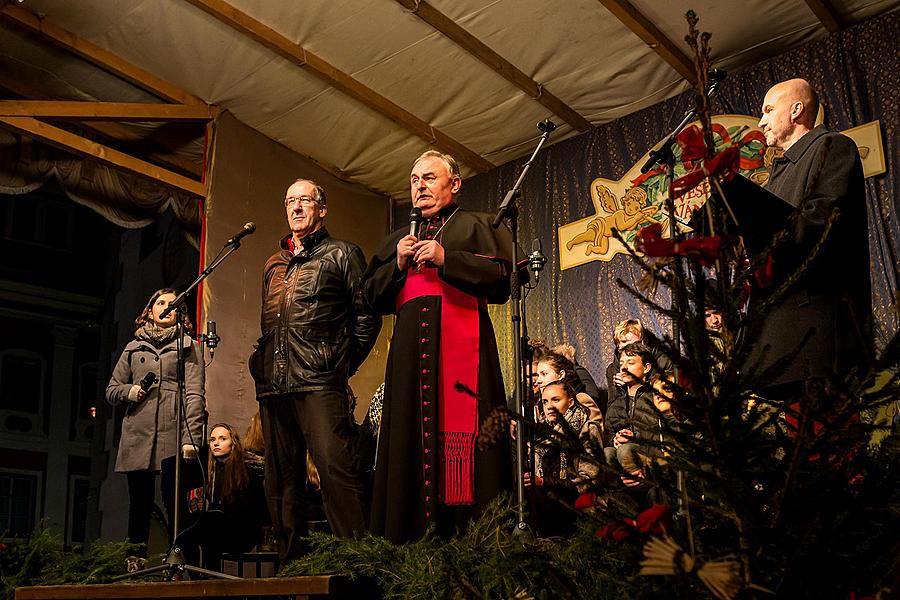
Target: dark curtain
(856, 72)
(128, 200)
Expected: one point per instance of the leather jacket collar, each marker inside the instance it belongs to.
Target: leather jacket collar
(309, 242)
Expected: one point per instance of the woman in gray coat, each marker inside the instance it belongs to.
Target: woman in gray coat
(148, 442)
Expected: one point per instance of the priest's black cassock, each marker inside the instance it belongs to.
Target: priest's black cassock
(428, 471)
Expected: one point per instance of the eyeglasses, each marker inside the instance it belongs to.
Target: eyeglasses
(305, 201)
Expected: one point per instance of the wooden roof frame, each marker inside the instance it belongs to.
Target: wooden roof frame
(478, 49)
(123, 69)
(827, 14)
(113, 111)
(313, 64)
(163, 154)
(100, 57)
(644, 28)
(623, 10)
(75, 143)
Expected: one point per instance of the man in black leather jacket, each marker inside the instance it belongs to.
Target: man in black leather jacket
(312, 341)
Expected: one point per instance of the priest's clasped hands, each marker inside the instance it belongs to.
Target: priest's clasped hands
(410, 249)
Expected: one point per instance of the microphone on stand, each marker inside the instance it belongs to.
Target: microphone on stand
(546, 126)
(536, 259)
(244, 232)
(716, 75)
(415, 217)
(212, 340)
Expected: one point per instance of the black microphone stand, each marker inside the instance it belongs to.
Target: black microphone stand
(508, 210)
(174, 564)
(665, 155)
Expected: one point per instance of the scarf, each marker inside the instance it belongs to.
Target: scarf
(156, 335)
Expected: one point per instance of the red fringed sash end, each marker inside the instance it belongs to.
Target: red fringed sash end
(457, 451)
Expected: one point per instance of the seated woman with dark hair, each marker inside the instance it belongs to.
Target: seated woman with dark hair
(231, 507)
(566, 460)
(553, 367)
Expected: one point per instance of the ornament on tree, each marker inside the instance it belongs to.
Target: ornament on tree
(656, 520)
(662, 556)
(703, 250)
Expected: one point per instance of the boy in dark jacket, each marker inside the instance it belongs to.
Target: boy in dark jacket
(631, 417)
(631, 331)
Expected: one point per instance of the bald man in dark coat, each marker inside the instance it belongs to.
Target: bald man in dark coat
(819, 173)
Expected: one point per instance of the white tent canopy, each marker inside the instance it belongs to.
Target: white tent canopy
(398, 66)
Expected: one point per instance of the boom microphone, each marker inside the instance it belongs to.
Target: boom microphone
(415, 217)
(212, 340)
(247, 230)
(546, 125)
(716, 75)
(537, 259)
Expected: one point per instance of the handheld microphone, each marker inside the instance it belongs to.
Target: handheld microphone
(415, 217)
(147, 382)
(247, 230)
(546, 126)
(537, 259)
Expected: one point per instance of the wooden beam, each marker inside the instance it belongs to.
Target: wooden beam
(494, 61)
(281, 45)
(97, 55)
(642, 27)
(84, 147)
(107, 111)
(166, 153)
(155, 150)
(826, 13)
(157, 86)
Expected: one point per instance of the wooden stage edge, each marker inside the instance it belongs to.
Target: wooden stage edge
(330, 586)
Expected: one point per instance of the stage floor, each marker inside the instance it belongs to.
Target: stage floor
(325, 586)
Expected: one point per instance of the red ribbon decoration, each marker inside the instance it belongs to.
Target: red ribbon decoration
(839, 459)
(650, 241)
(724, 164)
(704, 250)
(585, 500)
(765, 274)
(693, 147)
(656, 520)
(645, 176)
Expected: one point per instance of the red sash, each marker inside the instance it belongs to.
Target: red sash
(458, 362)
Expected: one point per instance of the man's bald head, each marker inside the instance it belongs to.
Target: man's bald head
(799, 90)
(788, 112)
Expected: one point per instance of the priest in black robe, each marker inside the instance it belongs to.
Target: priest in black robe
(438, 282)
